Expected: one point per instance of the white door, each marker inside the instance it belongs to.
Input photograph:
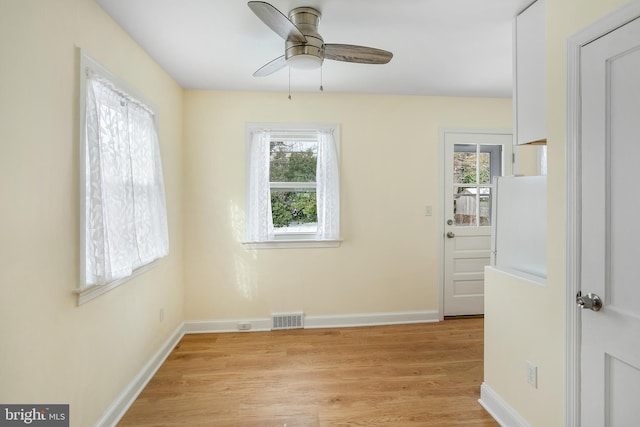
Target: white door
(610, 204)
(471, 160)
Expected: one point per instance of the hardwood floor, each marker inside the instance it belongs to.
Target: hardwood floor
(402, 375)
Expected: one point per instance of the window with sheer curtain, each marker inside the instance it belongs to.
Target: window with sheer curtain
(293, 186)
(124, 212)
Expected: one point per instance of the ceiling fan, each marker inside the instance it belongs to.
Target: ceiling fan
(304, 46)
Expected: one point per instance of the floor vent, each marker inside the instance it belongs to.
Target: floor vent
(287, 321)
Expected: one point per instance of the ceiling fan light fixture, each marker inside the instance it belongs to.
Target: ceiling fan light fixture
(305, 62)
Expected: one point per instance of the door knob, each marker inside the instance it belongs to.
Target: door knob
(451, 234)
(589, 301)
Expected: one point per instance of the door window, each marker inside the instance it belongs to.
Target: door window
(474, 167)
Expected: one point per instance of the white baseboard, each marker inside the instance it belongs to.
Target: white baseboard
(500, 410)
(370, 319)
(226, 325)
(313, 322)
(120, 406)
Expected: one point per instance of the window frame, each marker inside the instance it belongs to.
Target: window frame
(89, 65)
(288, 131)
(296, 135)
(496, 168)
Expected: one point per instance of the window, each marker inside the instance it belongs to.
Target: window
(293, 196)
(474, 167)
(124, 221)
(292, 181)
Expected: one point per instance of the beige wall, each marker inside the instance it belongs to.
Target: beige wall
(389, 260)
(51, 350)
(520, 326)
(527, 159)
(536, 329)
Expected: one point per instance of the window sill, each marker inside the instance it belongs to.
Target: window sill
(91, 292)
(292, 244)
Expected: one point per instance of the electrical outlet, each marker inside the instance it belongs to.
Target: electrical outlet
(532, 374)
(428, 210)
(244, 326)
(162, 314)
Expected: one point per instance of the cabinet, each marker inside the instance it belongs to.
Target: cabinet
(530, 75)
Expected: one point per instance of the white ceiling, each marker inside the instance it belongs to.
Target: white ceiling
(440, 47)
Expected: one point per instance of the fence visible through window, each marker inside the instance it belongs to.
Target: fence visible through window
(474, 167)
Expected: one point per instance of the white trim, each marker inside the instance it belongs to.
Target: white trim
(500, 410)
(572, 250)
(370, 319)
(91, 292)
(609, 23)
(226, 325)
(281, 243)
(519, 275)
(441, 261)
(293, 186)
(122, 403)
(314, 322)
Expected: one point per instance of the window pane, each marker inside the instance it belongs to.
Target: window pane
(485, 168)
(485, 206)
(464, 208)
(464, 164)
(491, 166)
(294, 210)
(293, 161)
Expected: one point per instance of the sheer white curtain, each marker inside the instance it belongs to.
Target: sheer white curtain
(259, 219)
(328, 187)
(125, 209)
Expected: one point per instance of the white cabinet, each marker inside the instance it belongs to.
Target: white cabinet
(530, 75)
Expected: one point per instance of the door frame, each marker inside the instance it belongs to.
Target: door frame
(575, 43)
(441, 211)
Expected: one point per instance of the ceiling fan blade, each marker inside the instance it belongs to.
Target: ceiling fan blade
(271, 67)
(277, 21)
(359, 54)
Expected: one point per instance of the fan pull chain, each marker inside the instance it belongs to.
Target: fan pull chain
(289, 83)
(321, 87)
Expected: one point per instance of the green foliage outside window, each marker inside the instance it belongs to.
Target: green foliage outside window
(293, 162)
(465, 169)
(292, 207)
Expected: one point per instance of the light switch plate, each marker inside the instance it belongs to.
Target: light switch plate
(532, 374)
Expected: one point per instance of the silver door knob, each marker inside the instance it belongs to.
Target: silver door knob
(451, 234)
(589, 301)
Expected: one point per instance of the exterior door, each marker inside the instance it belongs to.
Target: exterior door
(471, 161)
(610, 231)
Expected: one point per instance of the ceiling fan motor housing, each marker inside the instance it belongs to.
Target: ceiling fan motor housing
(311, 53)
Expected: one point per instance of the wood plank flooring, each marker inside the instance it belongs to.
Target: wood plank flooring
(401, 375)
